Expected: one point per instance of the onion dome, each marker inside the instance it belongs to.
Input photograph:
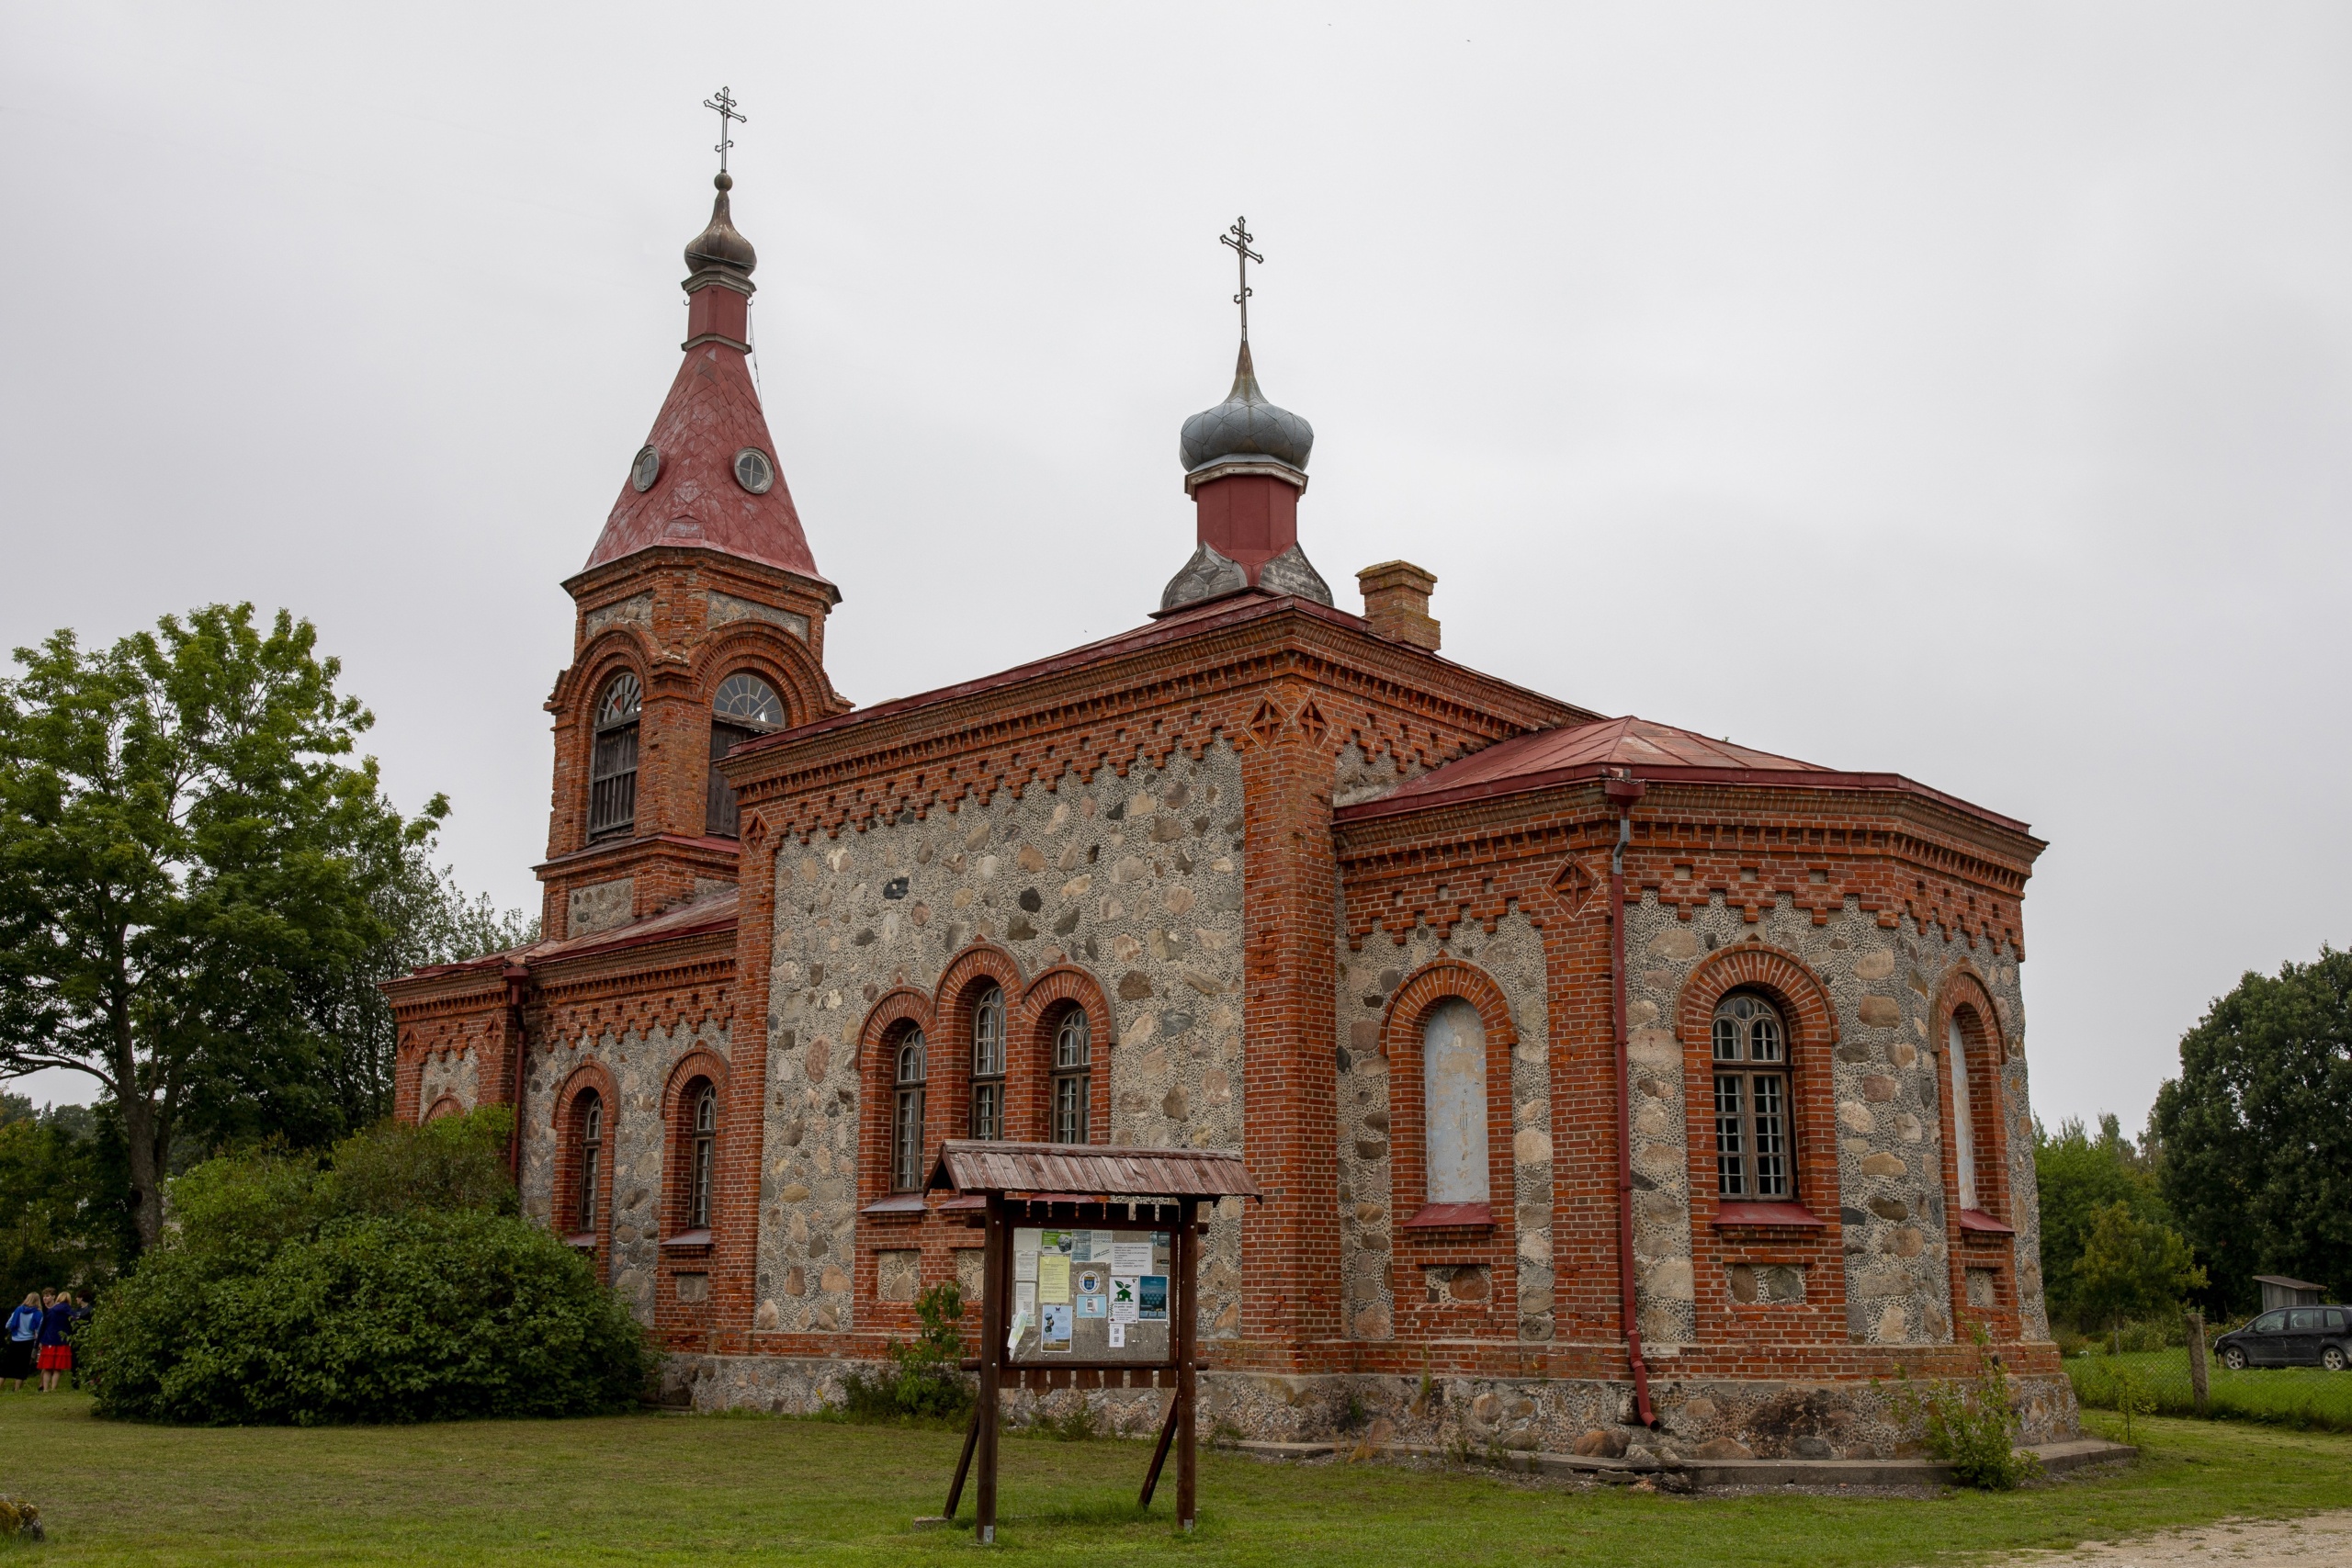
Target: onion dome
(721, 245)
(1244, 426)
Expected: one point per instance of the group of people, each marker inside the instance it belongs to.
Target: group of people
(40, 1337)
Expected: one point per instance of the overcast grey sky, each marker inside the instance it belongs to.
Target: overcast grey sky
(1961, 390)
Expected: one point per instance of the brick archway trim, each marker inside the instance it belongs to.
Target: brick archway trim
(1442, 979)
(1802, 992)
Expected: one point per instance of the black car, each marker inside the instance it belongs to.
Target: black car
(2290, 1337)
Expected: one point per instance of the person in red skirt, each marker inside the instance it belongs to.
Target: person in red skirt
(56, 1352)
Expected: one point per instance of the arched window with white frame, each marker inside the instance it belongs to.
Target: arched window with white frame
(1754, 1159)
(909, 1077)
(987, 1063)
(1073, 1077)
(702, 1154)
(590, 1113)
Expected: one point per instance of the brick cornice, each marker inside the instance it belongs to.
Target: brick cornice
(1385, 697)
(618, 578)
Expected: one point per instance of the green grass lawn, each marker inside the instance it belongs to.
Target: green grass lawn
(655, 1489)
(2294, 1397)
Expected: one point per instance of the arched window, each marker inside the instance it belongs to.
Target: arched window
(746, 705)
(612, 770)
(1453, 1094)
(1964, 1119)
(906, 1123)
(1752, 1155)
(591, 1113)
(700, 1155)
(987, 1064)
(1073, 1076)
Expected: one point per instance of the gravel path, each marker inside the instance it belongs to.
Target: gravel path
(2316, 1540)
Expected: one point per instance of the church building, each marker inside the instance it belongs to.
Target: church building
(1610, 1087)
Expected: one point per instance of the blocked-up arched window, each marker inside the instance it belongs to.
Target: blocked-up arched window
(987, 1063)
(1963, 1119)
(612, 769)
(1453, 1090)
(745, 706)
(910, 1075)
(1753, 1159)
(1073, 1076)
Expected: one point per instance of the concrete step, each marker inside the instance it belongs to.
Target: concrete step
(1707, 1474)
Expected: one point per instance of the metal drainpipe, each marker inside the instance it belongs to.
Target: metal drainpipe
(517, 976)
(1623, 790)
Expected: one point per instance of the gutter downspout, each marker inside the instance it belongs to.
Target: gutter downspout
(517, 976)
(1621, 791)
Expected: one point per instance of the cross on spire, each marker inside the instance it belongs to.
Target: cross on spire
(725, 104)
(1238, 237)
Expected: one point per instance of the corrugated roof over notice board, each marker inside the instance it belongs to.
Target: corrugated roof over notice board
(971, 1164)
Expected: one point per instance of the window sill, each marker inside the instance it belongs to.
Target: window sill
(1786, 1216)
(903, 1206)
(1453, 1217)
(685, 1239)
(585, 1240)
(1983, 1223)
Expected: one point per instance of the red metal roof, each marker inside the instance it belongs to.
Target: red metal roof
(1658, 752)
(1620, 742)
(972, 1164)
(716, 912)
(712, 413)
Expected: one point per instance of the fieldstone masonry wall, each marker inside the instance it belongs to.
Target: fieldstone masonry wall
(457, 1073)
(1890, 1189)
(1135, 879)
(640, 1064)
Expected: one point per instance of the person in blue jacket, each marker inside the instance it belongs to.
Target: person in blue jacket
(19, 1342)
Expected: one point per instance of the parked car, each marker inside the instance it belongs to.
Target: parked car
(2290, 1337)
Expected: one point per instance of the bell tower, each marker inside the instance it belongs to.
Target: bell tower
(700, 622)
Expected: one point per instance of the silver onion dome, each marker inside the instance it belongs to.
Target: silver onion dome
(1244, 426)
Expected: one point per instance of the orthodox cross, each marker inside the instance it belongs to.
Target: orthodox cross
(1238, 237)
(724, 105)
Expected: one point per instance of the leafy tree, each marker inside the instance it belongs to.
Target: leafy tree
(198, 887)
(62, 1218)
(2078, 1176)
(2132, 1268)
(2255, 1136)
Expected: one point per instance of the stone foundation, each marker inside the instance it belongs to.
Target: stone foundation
(1701, 1419)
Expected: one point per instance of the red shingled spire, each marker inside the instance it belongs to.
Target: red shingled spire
(707, 476)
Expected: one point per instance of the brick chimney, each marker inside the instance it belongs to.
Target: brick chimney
(1397, 602)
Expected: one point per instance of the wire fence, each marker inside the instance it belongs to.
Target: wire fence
(2189, 1380)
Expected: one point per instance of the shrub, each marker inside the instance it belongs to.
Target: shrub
(926, 1382)
(1972, 1429)
(389, 1286)
(19, 1520)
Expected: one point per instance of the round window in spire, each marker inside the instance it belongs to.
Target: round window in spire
(754, 470)
(645, 469)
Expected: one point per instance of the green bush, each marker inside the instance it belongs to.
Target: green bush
(925, 1383)
(386, 1288)
(1973, 1426)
